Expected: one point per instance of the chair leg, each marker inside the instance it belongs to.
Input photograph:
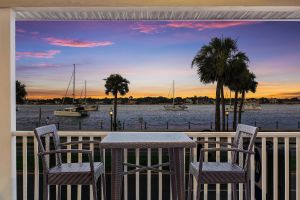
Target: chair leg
(198, 190)
(234, 197)
(94, 185)
(247, 191)
(190, 186)
(59, 192)
(45, 187)
(103, 186)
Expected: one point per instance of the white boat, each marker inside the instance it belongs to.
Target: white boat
(175, 107)
(90, 107)
(74, 111)
(246, 107)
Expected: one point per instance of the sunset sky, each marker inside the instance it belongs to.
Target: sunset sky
(150, 54)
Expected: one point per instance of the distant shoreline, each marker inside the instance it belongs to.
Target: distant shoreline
(145, 104)
(201, 100)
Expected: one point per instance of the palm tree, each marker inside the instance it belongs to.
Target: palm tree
(115, 84)
(237, 66)
(248, 85)
(212, 63)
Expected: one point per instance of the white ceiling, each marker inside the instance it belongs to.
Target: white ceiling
(161, 13)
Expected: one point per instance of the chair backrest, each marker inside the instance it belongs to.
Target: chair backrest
(49, 131)
(241, 132)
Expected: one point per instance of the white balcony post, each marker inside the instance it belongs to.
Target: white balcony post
(8, 105)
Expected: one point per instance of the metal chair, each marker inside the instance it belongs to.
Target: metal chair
(86, 173)
(225, 172)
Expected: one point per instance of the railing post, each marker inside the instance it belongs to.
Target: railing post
(211, 125)
(167, 125)
(58, 125)
(275, 168)
(254, 123)
(297, 167)
(101, 124)
(286, 168)
(123, 125)
(189, 125)
(145, 125)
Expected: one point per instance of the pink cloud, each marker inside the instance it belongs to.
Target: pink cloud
(19, 30)
(152, 28)
(146, 28)
(37, 54)
(76, 43)
(46, 65)
(207, 25)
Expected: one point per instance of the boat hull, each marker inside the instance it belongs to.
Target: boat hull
(245, 108)
(175, 108)
(63, 113)
(90, 108)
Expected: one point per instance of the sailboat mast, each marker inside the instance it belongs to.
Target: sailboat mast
(173, 93)
(74, 85)
(85, 91)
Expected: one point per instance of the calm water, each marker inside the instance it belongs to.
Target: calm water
(156, 118)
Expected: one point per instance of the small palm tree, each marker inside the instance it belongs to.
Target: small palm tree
(116, 84)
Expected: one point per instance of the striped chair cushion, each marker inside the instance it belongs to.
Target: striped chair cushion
(216, 172)
(74, 173)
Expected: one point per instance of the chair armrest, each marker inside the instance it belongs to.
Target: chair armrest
(215, 142)
(88, 152)
(65, 151)
(202, 151)
(211, 142)
(227, 149)
(80, 142)
(86, 142)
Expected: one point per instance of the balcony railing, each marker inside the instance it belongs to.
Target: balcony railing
(275, 170)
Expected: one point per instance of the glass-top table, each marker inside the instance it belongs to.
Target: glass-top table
(174, 142)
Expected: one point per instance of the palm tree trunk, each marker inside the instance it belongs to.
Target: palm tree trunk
(223, 107)
(217, 113)
(241, 107)
(235, 104)
(115, 112)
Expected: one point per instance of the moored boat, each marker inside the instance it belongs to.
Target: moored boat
(74, 111)
(246, 107)
(86, 106)
(175, 107)
(90, 107)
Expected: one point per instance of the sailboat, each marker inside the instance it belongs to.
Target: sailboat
(74, 111)
(85, 105)
(246, 107)
(175, 107)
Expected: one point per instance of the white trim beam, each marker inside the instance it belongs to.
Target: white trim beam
(161, 13)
